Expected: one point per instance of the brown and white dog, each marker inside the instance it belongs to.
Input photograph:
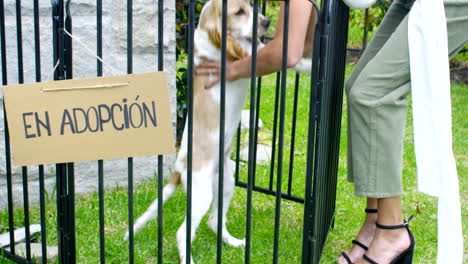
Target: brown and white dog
(206, 108)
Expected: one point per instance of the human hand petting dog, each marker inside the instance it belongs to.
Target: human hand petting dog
(213, 68)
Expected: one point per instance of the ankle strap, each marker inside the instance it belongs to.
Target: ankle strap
(404, 225)
(370, 211)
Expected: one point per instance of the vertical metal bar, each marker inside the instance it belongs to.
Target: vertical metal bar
(320, 149)
(43, 214)
(130, 212)
(60, 214)
(130, 160)
(160, 35)
(313, 107)
(160, 157)
(257, 106)
(26, 213)
(42, 205)
(19, 47)
(339, 38)
(66, 213)
(129, 36)
(315, 220)
(65, 185)
(293, 133)
(19, 42)
(238, 141)
(331, 76)
(102, 237)
(281, 132)
(68, 43)
(57, 25)
(71, 239)
(221, 133)
(366, 30)
(69, 169)
(3, 42)
(11, 220)
(188, 229)
(250, 183)
(263, 10)
(37, 41)
(99, 36)
(257, 118)
(275, 129)
(160, 210)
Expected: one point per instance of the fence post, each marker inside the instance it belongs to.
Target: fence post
(325, 117)
(64, 172)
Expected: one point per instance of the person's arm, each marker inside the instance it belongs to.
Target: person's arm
(269, 59)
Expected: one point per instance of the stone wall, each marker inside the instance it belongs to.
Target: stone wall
(145, 16)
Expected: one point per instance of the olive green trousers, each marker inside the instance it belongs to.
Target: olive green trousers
(377, 101)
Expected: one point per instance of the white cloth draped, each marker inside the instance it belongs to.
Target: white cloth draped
(430, 84)
(359, 4)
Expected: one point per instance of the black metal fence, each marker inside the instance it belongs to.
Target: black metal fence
(326, 93)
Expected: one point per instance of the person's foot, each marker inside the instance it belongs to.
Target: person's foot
(387, 245)
(365, 236)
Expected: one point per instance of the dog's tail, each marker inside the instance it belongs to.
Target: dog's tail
(152, 211)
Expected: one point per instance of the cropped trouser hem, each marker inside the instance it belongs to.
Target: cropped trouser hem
(377, 195)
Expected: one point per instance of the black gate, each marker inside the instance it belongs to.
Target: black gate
(325, 103)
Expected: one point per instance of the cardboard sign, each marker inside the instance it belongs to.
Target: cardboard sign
(89, 119)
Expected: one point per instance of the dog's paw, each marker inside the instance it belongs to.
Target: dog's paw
(183, 261)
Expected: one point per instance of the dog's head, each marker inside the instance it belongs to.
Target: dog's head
(239, 25)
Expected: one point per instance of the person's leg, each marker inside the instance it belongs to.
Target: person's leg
(378, 103)
(388, 243)
(395, 14)
(377, 108)
(392, 19)
(457, 23)
(364, 236)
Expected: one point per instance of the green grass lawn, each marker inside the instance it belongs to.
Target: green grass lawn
(349, 209)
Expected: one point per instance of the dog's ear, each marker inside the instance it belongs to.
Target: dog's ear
(233, 49)
(215, 36)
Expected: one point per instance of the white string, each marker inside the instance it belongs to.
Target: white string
(90, 51)
(85, 87)
(53, 70)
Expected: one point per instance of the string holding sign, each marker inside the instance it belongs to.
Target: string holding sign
(53, 70)
(90, 52)
(85, 87)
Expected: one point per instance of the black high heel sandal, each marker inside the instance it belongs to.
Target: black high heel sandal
(357, 243)
(406, 257)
